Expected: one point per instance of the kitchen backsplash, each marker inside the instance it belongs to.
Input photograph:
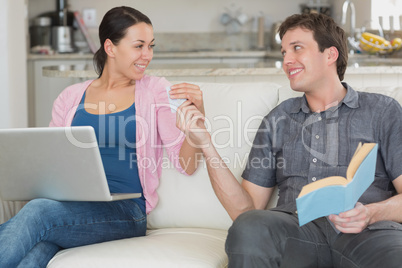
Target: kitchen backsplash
(207, 41)
(173, 42)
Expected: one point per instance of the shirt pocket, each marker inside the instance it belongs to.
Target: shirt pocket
(295, 159)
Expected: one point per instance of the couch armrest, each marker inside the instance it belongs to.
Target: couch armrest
(9, 208)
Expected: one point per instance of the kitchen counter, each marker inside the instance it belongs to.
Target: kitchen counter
(265, 67)
(65, 56)
(218, 54)
(264, 63)
(214, 69)
(173, 54)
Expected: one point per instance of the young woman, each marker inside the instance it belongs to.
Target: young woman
(132, 119)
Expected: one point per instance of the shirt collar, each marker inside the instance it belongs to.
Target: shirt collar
(351, 100)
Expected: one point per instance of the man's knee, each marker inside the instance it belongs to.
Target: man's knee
(379, 246)
(255, 229)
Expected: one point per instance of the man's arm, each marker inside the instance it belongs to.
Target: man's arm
(357, 219)
(193, 107)
(259, 195)
(234, 197)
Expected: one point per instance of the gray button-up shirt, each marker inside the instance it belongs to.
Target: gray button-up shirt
(294, 146)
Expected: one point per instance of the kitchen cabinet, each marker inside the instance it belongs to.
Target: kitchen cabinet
(213, 60)
(185, 61)
(42, 91)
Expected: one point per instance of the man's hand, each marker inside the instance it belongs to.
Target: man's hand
(190, 116)
(352, 221)
(191, 121)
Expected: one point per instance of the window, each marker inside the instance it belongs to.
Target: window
(389, 11)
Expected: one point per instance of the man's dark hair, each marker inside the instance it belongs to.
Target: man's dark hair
(325, 32)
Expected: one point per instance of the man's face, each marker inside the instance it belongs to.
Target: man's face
(305, 66)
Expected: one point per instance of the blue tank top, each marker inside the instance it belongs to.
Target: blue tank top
(116, 137)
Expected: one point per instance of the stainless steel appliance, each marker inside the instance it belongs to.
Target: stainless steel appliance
(275, 38)
(63, 39)
(53, 31)
(62, 32)
(316, 6)
(40, 32)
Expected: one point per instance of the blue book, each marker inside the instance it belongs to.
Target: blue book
(333, 195)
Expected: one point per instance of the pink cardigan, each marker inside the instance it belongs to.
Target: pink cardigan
(156, 125)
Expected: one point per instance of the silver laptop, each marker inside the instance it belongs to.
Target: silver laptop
(62, 163)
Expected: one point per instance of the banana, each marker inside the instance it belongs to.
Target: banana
(396, 43)
(374, 43)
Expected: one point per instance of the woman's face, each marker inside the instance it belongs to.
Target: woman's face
(135, 51)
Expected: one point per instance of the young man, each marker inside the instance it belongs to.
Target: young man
(314, 136)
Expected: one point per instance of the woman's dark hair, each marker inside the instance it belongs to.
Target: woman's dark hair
(325, 32)
(114, 26)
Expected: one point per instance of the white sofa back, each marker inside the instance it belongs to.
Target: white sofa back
(234, 113)
(394, 92)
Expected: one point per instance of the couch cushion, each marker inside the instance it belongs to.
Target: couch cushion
(286, 92)
(394, 92)
(9, 208)
(183, 247)
(234, 113)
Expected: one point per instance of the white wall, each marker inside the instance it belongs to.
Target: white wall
(13, 67)
(4, 92)
(363, 13)
(183, 15)
(203, 16)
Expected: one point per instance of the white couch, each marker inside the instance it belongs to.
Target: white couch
(188, 228)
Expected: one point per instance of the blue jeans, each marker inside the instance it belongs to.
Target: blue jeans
(262, 238)
(43, 227)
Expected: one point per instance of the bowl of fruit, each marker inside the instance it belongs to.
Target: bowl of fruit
(375, 44)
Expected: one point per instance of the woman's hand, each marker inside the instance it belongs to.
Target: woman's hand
(190, 92)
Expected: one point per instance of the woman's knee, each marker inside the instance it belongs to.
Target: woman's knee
(37, 209)
(40, 204)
